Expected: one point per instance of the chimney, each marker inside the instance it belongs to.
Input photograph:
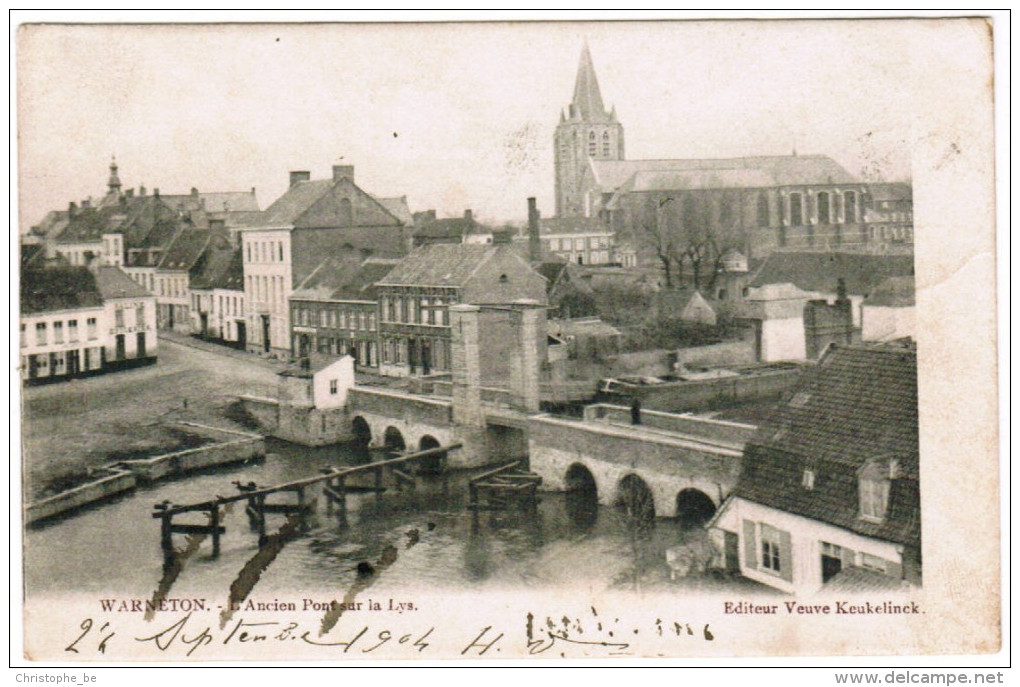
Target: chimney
(343, 172)
(469, 216)
(534, 241)
(130, 193)
(155, 193)
(194, 192)
(72, 209)
(299, 176)
(87, 203)
(141, 190)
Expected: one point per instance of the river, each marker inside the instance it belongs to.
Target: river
(424, 537)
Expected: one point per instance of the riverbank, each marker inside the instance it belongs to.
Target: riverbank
(72, 430)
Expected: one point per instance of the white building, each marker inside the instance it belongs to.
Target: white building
(828, 495)
(76, 322)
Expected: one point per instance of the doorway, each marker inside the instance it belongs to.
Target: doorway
(140, 345)
(121, 353)
(265, 333)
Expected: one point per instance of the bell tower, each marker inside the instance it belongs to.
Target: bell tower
(586, 131)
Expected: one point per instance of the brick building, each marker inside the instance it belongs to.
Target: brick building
(335, 310)
(415, 296)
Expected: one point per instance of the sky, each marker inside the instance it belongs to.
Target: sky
(453, 116)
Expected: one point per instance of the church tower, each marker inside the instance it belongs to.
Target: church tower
(586, 130)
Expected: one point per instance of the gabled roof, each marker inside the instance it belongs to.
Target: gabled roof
(295, 201)
(398, 208)
(216, 272)
(112, 282)
(89, 224)
(819, 271)
(893, 191)
(857, 406)
(344, 279)
(744, 172)
(452, 227)
(58, 288)
(52, 224)
(441, 264)
(894, 292)
(225, 201)
(185, 250)
(572, 225)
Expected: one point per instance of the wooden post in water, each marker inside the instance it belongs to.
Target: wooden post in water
(378, 484)
(214, 521)
(341, 488)
(167, 541)
(261, 510)
(302, 513)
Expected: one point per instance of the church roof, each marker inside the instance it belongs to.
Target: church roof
(587, 103)
(740, 172)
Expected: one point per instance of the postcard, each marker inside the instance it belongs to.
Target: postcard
(529, 340)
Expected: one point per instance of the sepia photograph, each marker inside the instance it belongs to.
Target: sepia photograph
(505, 340)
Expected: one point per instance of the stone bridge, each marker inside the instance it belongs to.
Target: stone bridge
(678, 466)
(401, 421)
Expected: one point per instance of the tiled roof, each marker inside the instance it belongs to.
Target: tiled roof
(897, 191)
(58, 288)
(762, 171)
(310, 246)
(894, 292)
(216, 272)
(112, 282)
(89, 225)
(339, 278)
(454, 227)
(858, 405)
(295, 201)
(226, 201)
(820, 271)
(186, 248)
(854, 580)
(572, 225)
(440, 264)
(398, 208)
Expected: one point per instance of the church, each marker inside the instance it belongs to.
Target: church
(686, 215)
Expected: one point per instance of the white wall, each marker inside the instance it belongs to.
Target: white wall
(342, 373)
(783, 339)
(806, 536)
(885, 323)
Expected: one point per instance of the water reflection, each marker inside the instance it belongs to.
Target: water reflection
(426, 534)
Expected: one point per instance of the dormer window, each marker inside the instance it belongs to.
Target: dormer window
(808, 480)
(873, 491)
(503, 279)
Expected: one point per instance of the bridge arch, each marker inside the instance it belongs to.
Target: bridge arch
(362, 431)
(430, 465)
(582, 497)
(635, 497)
(393, 440)
(694, 507)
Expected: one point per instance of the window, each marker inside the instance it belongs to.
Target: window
(850, 201)
(323, 318)
(281, 251)
(796, 210)
(770, 548)
(832, 550)
(362, 320)
(591, 144)
(140, 314)
(248, 246)
(58, 332)
(874, 495)
(823, 208)
(118, 317)
(72, 331)
(808, 481)
(23, 342)
(333, 387)
(554, 244)
(605, 144)
(426, 313)
(90, 326)
(371, 321)
(874, 563)
(800, 399)
(403, 310)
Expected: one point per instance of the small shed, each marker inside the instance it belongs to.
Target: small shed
(587, 338)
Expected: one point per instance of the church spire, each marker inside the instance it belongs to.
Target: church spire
(587, 99)
(114, 182)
